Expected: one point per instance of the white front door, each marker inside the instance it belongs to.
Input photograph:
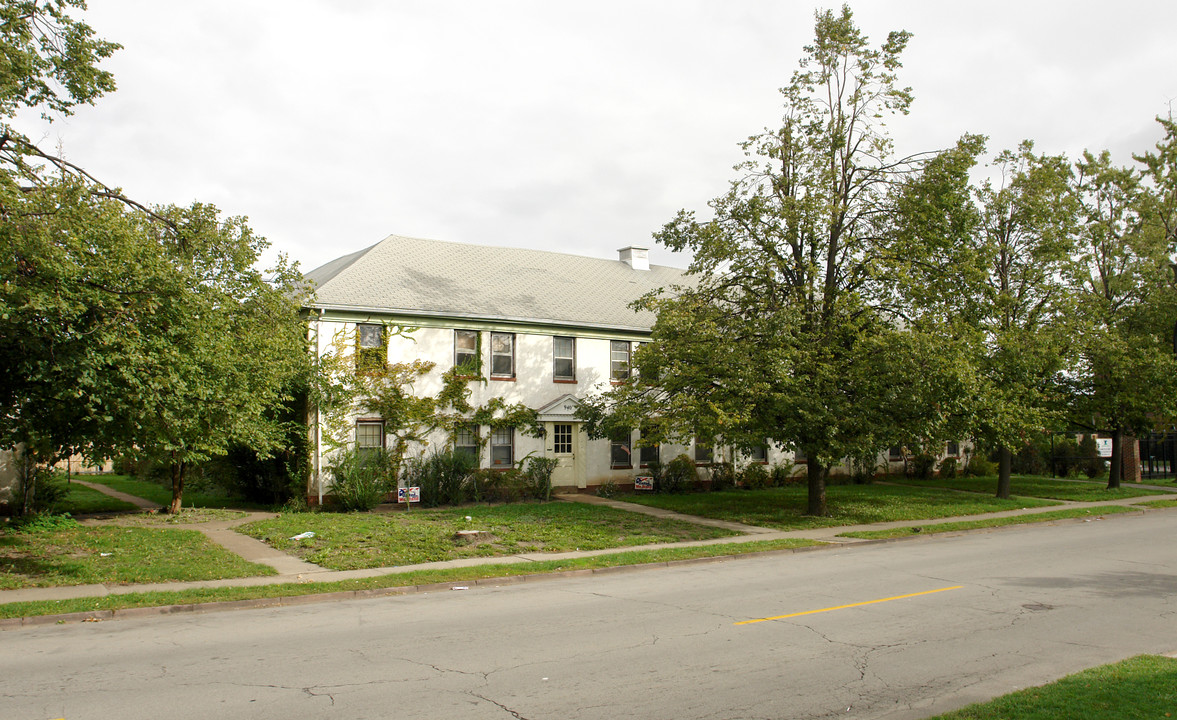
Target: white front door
(562, 444)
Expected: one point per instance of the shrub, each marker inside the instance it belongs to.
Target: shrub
(608, 489)
(360, 480)
(979, 466)
(755, 477)
(498, 485)
(679, 476)
(782, 474)
(42, 492)
(723, 476)
(1092, 465)
(537, 476)
(1064, 458)
(921, 465)
(948, 467)
(862, 469)
(443, 476)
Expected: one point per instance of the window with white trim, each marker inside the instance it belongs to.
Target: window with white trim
(502, 447)
(704, 453)
(466, 441)
(502, 355)
(466, 349)
(619, 356)
(564, 359)
(369, 436)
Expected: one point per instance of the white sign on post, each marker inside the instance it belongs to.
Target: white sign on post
(1105, 447)
(408, 495)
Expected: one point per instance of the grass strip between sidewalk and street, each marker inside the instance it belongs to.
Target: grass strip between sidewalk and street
(909, 530)
(1158, 504)
(1141, 687)
(405, 579)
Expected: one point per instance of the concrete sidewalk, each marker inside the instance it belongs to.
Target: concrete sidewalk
(295, 570)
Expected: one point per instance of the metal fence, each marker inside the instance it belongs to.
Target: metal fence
(1158, 455)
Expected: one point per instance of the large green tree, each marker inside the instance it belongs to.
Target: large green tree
(1127, 371)
(781, 337)
(124, 327)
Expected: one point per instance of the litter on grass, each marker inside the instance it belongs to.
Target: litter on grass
(303, 536)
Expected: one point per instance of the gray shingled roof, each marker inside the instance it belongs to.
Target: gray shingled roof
(430, 277)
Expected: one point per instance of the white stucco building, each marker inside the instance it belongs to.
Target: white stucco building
(549, 328)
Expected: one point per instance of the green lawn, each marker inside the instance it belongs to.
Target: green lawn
(784, 508)
(82, 500)
(346, 541)
(405, 579)
(1141, 687)
(1035, 486)
(161, 495)
(70, 554)
(909, 530)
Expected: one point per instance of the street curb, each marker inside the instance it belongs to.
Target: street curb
(344, 595)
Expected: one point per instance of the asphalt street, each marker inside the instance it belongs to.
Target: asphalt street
(892, 630)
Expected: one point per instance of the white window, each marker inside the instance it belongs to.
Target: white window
(502, 448)
(758, 454)
(369, 435)
(952, 449)
(703, 453)
(618, 359)
(563, 359)
(466, 348)
(502, 355)
(466, 441)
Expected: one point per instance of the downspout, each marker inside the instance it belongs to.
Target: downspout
(318, 445)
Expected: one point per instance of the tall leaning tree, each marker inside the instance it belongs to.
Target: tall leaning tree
(779, 339)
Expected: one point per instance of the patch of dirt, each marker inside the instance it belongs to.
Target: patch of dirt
(188, 516)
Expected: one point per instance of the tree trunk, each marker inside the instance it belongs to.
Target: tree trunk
(817, 488)
(1004, 461)
(178, 469)
(1116, 465)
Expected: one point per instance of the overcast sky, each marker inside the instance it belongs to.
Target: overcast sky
(572, 127)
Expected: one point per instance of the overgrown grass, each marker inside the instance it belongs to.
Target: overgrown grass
(83, 500)
(1141, 687)
(405, 579)
(1035, 486)
(162, 495)
(784, 508)
(351, 541)
(70, 554)
(1158, 503)
(910, 530)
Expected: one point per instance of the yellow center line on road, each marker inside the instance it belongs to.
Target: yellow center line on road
(851, 605)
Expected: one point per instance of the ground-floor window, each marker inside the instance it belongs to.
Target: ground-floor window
(621, 454)
(502, 447)
(466, 441)
(369, 435)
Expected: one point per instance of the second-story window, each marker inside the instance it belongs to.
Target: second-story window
(564, 359)
(502, 355)
(371, 352)
(466, 350)
(618, 359)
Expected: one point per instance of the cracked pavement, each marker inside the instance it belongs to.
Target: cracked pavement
(1035, 603)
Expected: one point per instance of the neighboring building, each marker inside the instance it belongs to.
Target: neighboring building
(547, 328)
